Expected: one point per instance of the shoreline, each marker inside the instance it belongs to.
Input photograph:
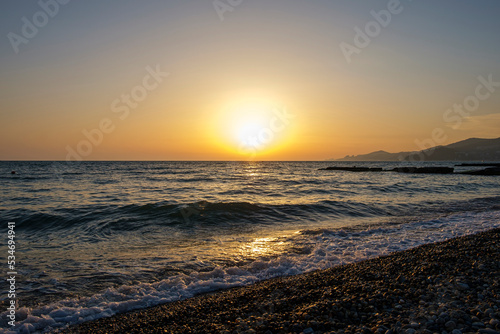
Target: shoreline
(448, 286)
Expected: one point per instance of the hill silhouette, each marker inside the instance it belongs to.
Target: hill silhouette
(472, 149)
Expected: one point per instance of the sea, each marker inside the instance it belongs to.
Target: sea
(93, 239)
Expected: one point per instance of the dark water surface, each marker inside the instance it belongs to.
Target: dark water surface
(97, 238)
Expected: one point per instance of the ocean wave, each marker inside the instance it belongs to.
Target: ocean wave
(22, 177)
(132, 217)
(136, 216)
(309, 250)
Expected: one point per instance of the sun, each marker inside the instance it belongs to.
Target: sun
(253, 130)
(248, 126)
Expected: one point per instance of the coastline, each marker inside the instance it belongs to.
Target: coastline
(448, 286)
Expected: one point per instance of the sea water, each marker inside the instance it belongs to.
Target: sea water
(97, 238)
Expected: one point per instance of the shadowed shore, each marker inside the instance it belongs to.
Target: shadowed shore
(450, 286)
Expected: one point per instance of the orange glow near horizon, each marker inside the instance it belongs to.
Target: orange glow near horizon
(251, 130)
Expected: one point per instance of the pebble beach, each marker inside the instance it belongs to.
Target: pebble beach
(446, 287)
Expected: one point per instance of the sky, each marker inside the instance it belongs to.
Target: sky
(244, 80)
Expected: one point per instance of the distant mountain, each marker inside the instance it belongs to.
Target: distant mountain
(472, 149)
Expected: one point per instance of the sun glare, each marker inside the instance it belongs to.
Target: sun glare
(247, 127)
(253, 130)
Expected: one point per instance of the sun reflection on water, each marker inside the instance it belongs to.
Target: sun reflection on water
(261, 247)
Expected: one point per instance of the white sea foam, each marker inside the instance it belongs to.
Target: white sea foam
(320, 250)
